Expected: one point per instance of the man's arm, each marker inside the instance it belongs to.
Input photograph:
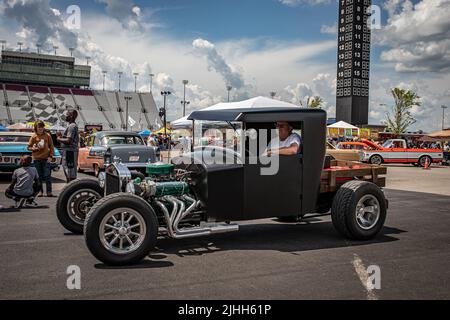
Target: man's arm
(68, 139)
(291, 151)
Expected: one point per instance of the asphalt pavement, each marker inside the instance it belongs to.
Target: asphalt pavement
(264, 260)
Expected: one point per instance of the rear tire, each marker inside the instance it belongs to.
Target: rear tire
(376, 159)
(74, 203)
(359, 210)
(115, 240)
(422, 161)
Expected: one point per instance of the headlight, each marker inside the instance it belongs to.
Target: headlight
(130, 188)
(102, 179)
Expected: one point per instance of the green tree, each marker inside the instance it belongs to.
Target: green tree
(315, 102)
(401, 118)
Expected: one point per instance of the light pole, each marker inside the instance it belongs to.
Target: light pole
(3, 42)
(229, 88)
(38, 46)
(151, 75)
(164, 111)
(127, 99)
(87, 60)
(135, 81)
(71, 51)
(185, 82)
(20, 44)
(120, 73)
(104, 77)
(55, 48)
(443, 116)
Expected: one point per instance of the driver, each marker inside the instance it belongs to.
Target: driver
(287, 143)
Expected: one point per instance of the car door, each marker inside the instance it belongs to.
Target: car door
(273, 195)
(83, 154)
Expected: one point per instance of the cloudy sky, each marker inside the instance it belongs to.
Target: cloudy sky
(256, 46)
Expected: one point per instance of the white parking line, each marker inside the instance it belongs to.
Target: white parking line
(361, 271)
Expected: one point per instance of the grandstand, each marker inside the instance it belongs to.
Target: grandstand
(29, 100)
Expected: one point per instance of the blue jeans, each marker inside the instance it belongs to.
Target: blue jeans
(45, 174)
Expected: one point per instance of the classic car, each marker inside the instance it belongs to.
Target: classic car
(205, 195)
(397, 151)
(103, 147)
(343, 154)
(13, 145)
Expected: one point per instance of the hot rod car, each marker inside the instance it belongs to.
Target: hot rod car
(198, 195)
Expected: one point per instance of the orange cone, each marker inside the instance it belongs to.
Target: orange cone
(427, 165)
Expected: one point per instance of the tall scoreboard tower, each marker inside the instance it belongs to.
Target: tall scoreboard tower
(352, 92)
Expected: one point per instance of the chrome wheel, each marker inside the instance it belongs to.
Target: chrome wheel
(367, 212)
(122, 231)
(80, 203)
(376, 160)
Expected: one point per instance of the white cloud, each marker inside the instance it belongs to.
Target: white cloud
(326, 29)
(126, 12)
(417, 34)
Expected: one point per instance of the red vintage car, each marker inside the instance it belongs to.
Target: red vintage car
(396, 151)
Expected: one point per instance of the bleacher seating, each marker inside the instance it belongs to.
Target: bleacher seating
(96, 107)
(3, 111)
(43, 105)
(19, 103)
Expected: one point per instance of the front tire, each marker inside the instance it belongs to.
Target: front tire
(75, 201)
(121, 229)
(359, 210)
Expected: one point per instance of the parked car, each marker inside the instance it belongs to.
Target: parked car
(127, 147)
(102, 149)
(397, 151)
(200, 198)
(343, 154)
(13, 145)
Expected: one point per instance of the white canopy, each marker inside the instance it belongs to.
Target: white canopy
(182, 123)
(342, 125)
(258, 102)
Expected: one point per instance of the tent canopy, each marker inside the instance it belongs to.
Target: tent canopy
(257, 102)
(145, 133)
(182, 123)
(342, 125)
(444, 134)
(2, 128)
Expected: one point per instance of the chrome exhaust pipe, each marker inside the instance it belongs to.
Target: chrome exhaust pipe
(179, 213)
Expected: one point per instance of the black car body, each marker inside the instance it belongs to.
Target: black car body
(200, 195)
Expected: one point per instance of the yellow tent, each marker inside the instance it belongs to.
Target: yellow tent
(162, 131)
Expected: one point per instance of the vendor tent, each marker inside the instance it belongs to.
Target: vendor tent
(342, 129)
(443, 135)
(145, 133)
(342, 125)
(182, 123)
(258, 102)
(2, 128)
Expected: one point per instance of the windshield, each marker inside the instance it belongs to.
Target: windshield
(121, 140)
(218, 134)
(13, 138)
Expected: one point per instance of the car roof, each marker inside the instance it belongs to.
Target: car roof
(258, 114)
(12, 133)
(115, 133)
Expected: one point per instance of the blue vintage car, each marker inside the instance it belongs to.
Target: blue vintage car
(15, 144)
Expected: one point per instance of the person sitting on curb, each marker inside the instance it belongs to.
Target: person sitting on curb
(25, 184)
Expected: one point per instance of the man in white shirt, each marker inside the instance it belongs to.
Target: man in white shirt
(287, 143)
